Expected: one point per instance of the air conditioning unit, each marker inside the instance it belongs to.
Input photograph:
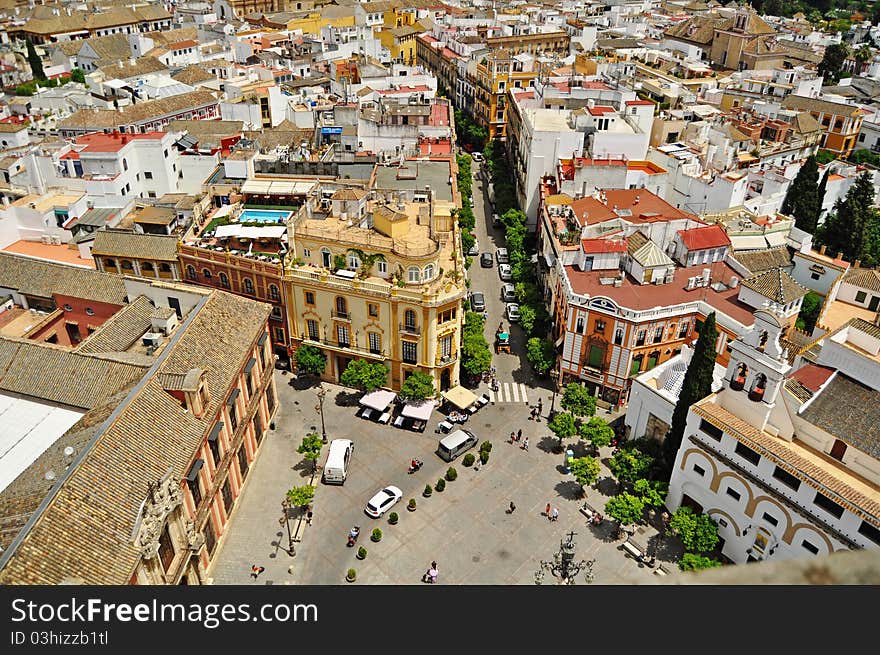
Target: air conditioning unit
(151, 339)
(46, 239)
(56, 240)
(692, 281)
(707, 276)
(734, 282)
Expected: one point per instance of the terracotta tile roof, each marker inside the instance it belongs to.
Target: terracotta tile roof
(777, 285)
(112, 47)
(192, 75)
(599, 246)
(635, 241)
(862, 325)
(850, 411)
(40, 278)
(58, 375)
(817, 105)
(98, 119)
(862, 498)
(866, 278)
(121, 330)
(125, 69)
(701, 238)
(812, 376)
(804, 123)
(85, 531)
(122, 243)
(798, 390)
(758, 261)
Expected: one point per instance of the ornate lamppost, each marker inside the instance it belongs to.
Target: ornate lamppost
(322, 392)
(556, 376)
(564, 567)
(285, 520)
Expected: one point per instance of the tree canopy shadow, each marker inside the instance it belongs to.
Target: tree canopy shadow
(607, 486)
(667, 549)
(303, 382)
(569, 489)
(347, 398)
(548, 444)
(305, 468)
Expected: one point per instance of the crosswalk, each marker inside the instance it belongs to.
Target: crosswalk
(509, 392)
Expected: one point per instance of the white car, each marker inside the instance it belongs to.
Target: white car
(505, 272)
(383, 501)
(512, 312)
(477, 156)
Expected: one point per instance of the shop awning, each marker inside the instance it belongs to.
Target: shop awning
(378, 399)
(420, 411)
(460, 397)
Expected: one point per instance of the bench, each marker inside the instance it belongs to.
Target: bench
(660, 571)
(587, 510)
(632, 550)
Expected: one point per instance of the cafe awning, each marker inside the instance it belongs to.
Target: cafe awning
(378, 399)
(420, 411)
(460, 397)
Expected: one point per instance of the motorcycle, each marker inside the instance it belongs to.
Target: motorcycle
(353, 535)
(415, 465)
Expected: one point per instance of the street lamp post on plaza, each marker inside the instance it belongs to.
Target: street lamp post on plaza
(320, 407)
(285, 520)
(556, 376)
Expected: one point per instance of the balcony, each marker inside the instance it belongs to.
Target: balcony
(343, 347)
(342, 316)
(442, 360)
(406, 328)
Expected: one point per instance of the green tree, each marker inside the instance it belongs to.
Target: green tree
(626, 509)
(697, 532)
(310, 360)
(578, 400)
(825, 157)
(563, 426)
(26, 89)
(697, 384)
(301, 496)
(541, 354)
(527, 317)
(417, 386)
(597, 432)
(809, 314)
(630, 464)
(864, 156)
(694, 562)
(585, 470)
(853, 219)
(831, 66)
(310, 448)
(76, 75)
(367, 261)
(476, 356)
(35, 62)
(653, 492)
(802, 199)
(364, 375)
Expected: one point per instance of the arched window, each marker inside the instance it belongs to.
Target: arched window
(147, 267)
(110, 263)
(165, 268)
(738, 381)
(414, 274)
(762, 343)
(248, 285)
(353, 262)
(127, 265)
(428, 273)
(341, 307)
(409, 320)
(206, 274)
(759, 386)
(274, 294)
(326, 258)
(224, 280)
(191, 272)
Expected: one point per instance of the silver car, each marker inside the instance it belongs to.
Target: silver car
(505, 272)
(508, 293)
(512, 312)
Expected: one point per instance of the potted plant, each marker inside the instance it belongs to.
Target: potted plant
(428, 491)
(393, 518)
(451, 474)
(440, 486)
(351, 576)
(411, 506)
(469, 459)
(362, 552)
(377, 535)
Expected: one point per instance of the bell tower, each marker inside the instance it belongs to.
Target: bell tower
(757, 369)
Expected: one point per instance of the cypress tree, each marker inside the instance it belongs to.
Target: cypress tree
(802, 199)
(35, 62)
(697, 385)
(853, 217)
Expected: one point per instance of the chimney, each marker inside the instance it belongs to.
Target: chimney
(858, 263)
(822, 250)
(839, 255)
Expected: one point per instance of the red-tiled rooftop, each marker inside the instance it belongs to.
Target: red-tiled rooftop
(640, 297)
(812, 376)
(639, 102)
(100, 142)
(62, 253)
(701, 238)
(600, 246)
(600, 110)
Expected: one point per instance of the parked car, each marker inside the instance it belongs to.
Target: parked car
(383, 501)
(478, 301)
(472, 202)
(508, 293)
(477, 156)
(502, 256)
(505, 272)
(496, 220)
(486, 260)
(475, 250)
(512, 312)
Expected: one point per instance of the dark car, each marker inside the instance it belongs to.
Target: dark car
(486, 260)
(478, 301)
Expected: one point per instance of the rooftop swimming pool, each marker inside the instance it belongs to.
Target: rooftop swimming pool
(263, 216)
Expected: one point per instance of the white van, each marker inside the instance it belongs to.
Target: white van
(336, 467)
(455, 444)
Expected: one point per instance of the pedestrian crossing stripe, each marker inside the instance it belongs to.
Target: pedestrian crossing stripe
(509, 392)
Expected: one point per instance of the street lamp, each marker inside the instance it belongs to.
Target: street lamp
(285, 520)
(564, 567)
(320, 407)
(555, 375)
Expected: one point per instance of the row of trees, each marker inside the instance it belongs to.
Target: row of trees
(470, 135)
(803, 200)
(476, 356)
(466, 219)
(853, 226)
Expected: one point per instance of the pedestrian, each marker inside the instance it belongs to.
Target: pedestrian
(554, 515)
(511, 508)
(512, 437)
(519, 435)
(547, 511)
(540, 406)
(256, 570)
(525, 445)
(309, 518)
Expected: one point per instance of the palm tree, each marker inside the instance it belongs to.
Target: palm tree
(367, 261)
(864, 54)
